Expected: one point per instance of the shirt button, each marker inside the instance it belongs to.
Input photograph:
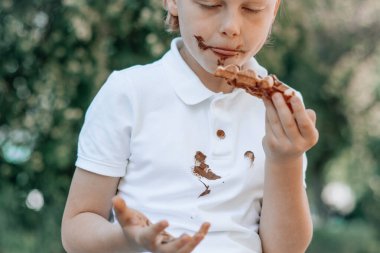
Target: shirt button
(221, 134)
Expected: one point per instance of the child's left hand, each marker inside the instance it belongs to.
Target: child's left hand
(288, 135)
(142, 235)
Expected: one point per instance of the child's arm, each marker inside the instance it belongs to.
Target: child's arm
(85, 225)
(285, 224)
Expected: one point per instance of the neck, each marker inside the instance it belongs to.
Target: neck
(211, 82)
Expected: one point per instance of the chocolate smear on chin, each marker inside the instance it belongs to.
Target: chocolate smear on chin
(221, 61)
(202, 45)
(201, 42)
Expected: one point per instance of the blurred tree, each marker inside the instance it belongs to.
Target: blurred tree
(332, 55)
(351, 49)
(55, 55)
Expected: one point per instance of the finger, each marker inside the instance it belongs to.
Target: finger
(272, 119)
(123, 214)
(268, 128)
(166, 237)
(305, 120)
(312, 115)
(286, 117)
(196, 239)
(204, 229)
(150, 237)
(176, 244)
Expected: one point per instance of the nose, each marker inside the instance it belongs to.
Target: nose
(230, 24)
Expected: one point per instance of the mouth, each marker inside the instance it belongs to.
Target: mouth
(225, 52)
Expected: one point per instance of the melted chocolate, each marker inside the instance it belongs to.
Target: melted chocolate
(250, 155)
(221, 134)
(202, 170)
(202, 45)
(201, 42)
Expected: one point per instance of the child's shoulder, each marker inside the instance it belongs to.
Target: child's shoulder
(136, 77)
(142, 73)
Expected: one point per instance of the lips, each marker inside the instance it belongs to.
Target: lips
(225, 52)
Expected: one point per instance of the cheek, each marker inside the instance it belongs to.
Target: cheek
(188, 33)
(260, 35)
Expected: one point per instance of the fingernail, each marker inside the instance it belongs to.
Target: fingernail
(295, 102)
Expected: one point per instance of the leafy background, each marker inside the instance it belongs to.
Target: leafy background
(55, 55)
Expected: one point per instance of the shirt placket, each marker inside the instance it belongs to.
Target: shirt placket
(221, 129)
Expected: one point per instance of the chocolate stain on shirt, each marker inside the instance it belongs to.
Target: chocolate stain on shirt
(205, 192)
(202, 170)
(250, 156)
(221, 134)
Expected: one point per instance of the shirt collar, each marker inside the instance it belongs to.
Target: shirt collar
(185, 82)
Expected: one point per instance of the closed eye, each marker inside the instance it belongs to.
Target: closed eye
(253, 11)
(210, 6)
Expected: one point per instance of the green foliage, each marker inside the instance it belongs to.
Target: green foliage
(343, 236)
(55, 55)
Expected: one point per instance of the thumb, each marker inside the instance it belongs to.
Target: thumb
(123, 214)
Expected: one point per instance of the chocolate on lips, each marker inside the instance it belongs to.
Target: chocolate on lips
(223, 53)
(253, 84)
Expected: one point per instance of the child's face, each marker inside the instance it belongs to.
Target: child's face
(223, 31)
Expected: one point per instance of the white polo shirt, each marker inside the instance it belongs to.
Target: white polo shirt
(146, 125)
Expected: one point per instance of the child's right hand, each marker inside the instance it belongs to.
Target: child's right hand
(141, 234)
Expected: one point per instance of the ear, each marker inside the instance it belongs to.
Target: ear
(276, 8)
(171, 7)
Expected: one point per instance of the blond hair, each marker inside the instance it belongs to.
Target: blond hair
(171, 22)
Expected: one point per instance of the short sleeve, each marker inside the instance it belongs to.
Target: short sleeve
(104, 140)
(304, 157)
(304, 168)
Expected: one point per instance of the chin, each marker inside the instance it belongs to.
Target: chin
(210, 68)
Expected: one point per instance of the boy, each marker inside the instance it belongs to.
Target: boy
(179, 145)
